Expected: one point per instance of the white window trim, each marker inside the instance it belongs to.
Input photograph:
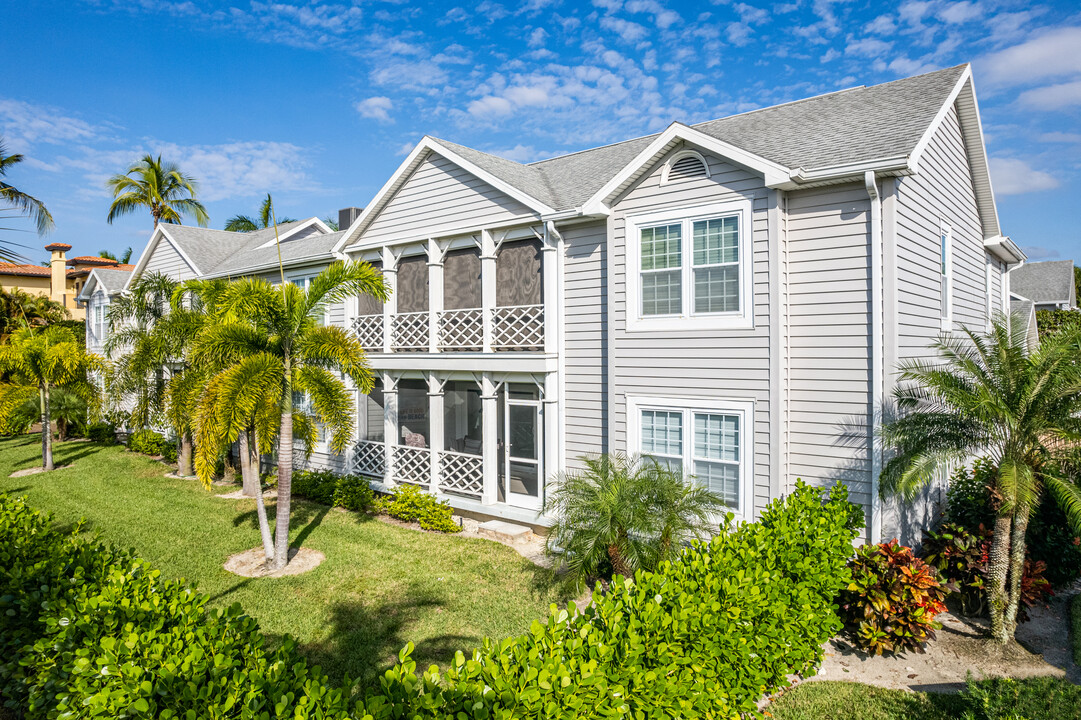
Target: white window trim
(688, 406)
(676, 158)
(989, 268)
(944, 228)
(306, 278)
(686, 320)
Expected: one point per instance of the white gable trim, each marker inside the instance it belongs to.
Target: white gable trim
(426, 146)
(323, 230)
(91, 281)
(598, 204)
(155, 240)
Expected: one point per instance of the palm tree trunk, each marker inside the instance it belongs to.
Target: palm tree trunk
(1017, 566)
(249, 464)
(46, 429)
(619, 565)
(183, 462)
(264, 525)
(285, 482)
(228, 467)
(997, 569)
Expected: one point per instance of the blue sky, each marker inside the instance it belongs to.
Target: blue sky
(319, 102)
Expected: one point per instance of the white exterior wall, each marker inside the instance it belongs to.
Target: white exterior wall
(730, 364)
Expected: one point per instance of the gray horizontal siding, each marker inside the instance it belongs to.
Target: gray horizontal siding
(828, 337)
(167, 261)
(440, 198)
(721, 364)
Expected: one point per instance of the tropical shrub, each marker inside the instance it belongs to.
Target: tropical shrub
(148, 442)
(1035, 588)
(410, 503)
(351, 492)
(354, 493)
(961, 559)
(893, 597)
(101, 432)
(91, 631)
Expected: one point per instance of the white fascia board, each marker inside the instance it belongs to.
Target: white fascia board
(773, 172)
(940, 117)
(968, 112)
(91, 281)
(853, 171)
(326, 258)
(1005, 250)
(426, 145)
(180, 251)
(144, 258)
(293, 231)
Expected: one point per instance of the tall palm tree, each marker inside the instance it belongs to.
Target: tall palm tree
(159, 186)
(989, 395)
(270, 347)
(36, 363)
(21, 202)
(246, 223)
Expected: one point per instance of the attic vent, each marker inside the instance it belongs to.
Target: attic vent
(685, 167)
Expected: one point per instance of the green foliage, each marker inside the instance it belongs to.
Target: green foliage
(351, 492)
(1032, 699)
(960, 557)
(92, 630)
(410, 503)
(968, 499)
(101, 432)
(1049, 322)
(22, 202)
(148, 442)
(621, 514)
(158, 186)
(891, 602)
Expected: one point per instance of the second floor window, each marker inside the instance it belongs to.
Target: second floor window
(945, 243)
(691, 270)
(101, 323)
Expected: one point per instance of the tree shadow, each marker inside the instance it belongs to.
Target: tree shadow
(303, 515)
(62, 454)
(364, 640)
(230, 590)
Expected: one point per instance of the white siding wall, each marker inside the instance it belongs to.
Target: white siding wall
(440, 198)
(725, 364)
(829, 331)
(586, 337)
(168, 261)
(93, 342)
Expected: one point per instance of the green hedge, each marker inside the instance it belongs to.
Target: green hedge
(351, 492)
(410, 503)
(148, 442)
(92, 631)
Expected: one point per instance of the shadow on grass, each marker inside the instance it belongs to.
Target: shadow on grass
(307, 516)
(365, 639)
(62, 454)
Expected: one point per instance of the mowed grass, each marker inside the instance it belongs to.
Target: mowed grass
(380, 586)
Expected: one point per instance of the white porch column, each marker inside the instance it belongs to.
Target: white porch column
(390, 425)
(551, 430)
(435, 427)
(435, 292)
(487, 285)
(390, 307)
(550, 298)
(490, 456)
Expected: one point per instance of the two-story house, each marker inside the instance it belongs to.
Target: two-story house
(732, 297)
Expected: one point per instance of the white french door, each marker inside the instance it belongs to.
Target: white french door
(523, 452)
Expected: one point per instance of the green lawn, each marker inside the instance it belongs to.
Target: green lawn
(379, 587)
(1032, 699)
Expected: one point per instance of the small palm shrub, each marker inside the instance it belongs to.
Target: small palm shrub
(625, 513)
(891, 603)
(101, 432)
(411, 504)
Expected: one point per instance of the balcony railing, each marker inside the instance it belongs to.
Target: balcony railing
(369, 458)
(461, 474)
(410, 332)
(412, 465)
(514, 328)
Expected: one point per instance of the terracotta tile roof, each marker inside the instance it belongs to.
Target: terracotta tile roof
(13, 269)
(58, 246)
(91, 260)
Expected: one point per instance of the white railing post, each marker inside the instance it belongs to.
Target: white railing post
(390, 424)
(550, 462)
(435, 293)
(390, 307)
(489, 440)
(550, 296)
(435, 427)
(487, 285)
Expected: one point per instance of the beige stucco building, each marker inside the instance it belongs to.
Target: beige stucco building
(61, 280)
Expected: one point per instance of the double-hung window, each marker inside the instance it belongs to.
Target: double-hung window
(945, 244)
(321, 317)
(690, 268)
(100, 321)
(709, 440)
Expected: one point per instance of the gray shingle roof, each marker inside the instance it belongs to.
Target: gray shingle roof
(1045, 282)
(212, 249)
(860, 124)
(112, 280)
(316, 247)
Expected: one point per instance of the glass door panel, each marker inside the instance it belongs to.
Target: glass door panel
(522, 453)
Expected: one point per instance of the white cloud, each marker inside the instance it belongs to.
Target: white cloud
(867, 47)
(1036, 252)
(1052, 97)
(960, 12)
(23, 124)
(881, 25)
(377, 108)
(662, 16)
(1060, 137)
(1053, 54)
(1013, 176)
(630, 32)
(490, 105)
(537, 37)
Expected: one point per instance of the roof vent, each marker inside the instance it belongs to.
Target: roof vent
(686, 166)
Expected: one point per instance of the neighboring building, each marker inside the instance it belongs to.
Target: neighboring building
(101, 287)
(732, 296)
(62, 280)
(1050, 285)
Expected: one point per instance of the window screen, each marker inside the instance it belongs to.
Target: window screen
(661, 270)
(716, 265)
(368, 305)
(461, 279)
(412, 288)
(716, 455)
(518, 273)
(662, 436)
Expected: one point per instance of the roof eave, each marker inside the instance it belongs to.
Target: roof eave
(1005, 250)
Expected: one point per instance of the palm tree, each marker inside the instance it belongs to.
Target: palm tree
(270, 347)
(37, 362)
(159, 186)
(627, 512)
(246, 223)
(123, 258)
(19, 308)
(990, 395)
(20, 201)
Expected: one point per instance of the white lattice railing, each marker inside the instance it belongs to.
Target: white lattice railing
(518, 327)
(461, 473)
(412, 465)
(461, 330)
(369, 458)
(411, 331)
(369, 330)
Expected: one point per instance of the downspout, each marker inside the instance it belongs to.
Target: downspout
(877, 347)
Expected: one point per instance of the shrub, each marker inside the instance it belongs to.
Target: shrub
(891, 602)
(101, 432)
(353, 493)
(148, 442)
(410, 503)
(91, 631)
(961, 558)
(1035, 588)
(968, 499)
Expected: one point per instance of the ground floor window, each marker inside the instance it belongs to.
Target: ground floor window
(708, 439)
